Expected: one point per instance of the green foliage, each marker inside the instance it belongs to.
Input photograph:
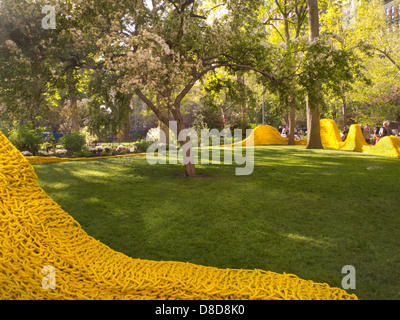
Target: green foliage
(5, 127)
(142, 145)
(108, 109)
(74, 142)
(327, 67)
(26, 137)
(104, 51)
(83, 154)
(379, 108)
(207, 116)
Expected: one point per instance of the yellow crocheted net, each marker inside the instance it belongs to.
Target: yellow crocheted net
(36, 232)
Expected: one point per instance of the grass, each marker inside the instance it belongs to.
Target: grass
(306, 212)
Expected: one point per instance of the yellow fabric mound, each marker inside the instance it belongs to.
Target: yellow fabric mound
(330, 137)
(35, 232)
(355, 140)
(388, 146)
(267, 135)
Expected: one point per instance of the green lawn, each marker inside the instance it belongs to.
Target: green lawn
(306, 212)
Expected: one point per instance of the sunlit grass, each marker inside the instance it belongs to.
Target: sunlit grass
(306, 212)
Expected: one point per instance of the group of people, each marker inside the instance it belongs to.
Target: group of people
(298, 133)
(373, 136)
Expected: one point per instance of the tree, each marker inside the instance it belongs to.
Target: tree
(157, 50)
(334, 19)
(379, 41)
(365, 29)
(38, 64)
(160, 51)
(292, 14)
(305, 67)
(232, 98)
(23, 73)
(313, 118)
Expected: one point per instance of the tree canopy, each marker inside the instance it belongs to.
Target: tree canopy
(107, 52)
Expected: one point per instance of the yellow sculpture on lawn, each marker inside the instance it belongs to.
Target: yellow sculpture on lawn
(330, 138)
(45, 254)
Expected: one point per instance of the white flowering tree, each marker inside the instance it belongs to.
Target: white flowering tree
(160, 49)
(155, 49)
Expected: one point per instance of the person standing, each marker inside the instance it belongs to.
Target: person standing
(385, 130)
(367, 133)
(345, 133)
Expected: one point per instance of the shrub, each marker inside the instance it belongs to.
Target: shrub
(74, 142)
(82, 154)
(143, 145)
(121, 149)
(5, 127)
(89, 137)
(26, 138)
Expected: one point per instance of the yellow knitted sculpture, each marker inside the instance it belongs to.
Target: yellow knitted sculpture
(45, 254)
(330, 138)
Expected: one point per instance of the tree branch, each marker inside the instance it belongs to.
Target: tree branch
(151, 105)
(186, 4)
(192, 82)
(389, 57)
(193, 15)
(246, 67)
(276, 29)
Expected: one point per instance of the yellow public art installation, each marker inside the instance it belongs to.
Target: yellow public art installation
(268, 135)
(45, 254)
(330, 137)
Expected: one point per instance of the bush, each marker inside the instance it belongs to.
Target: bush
(143, 145)
(82, 154)
(5, 127)
(26, 138)
(74, 142)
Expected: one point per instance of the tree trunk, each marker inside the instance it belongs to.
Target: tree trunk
(292, 121)
(243, 107)
(126, 131)
(161, 125)
(313, 125)
(73, 102)
(291, 103)
(344, 108)
(190, 168)
(74, 113)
